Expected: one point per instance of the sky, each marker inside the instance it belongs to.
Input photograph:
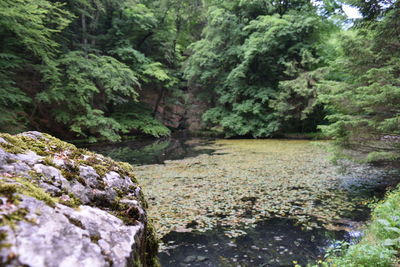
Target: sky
(351, 12)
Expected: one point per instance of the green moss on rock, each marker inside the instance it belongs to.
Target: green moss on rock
(25, 186)
(152, 244)
(42, 146)
(67, 159)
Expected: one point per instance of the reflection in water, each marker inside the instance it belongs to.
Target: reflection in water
(276, 242)
(152, 152)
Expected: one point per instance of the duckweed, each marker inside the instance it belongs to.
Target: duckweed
(246, 181)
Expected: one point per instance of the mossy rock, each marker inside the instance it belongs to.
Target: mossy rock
(50, 187)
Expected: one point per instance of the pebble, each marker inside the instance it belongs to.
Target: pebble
(232, 245)
(189, 259)
(201, 258)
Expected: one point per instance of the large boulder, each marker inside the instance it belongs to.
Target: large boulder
(64, 206)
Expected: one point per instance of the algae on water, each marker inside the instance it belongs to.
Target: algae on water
(246, 181)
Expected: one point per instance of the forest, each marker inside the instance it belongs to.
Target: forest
(83, 69)
(247, 73)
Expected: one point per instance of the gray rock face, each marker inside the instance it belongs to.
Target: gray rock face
(70, 237)
(61, 206)
(89, 175)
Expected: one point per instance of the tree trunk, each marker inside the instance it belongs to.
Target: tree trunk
(160, 96)
(84, 35)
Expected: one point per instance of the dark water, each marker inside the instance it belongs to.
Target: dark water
(141, 152)
(274, 243)
(277, 242)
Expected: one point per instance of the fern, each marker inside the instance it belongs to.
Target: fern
(137, 118)
(82, 81)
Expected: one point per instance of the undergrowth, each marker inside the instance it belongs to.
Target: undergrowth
(381, 243)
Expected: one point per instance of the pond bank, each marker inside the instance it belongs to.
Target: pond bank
(381, 243)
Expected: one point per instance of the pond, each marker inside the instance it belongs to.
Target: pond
(249, 202)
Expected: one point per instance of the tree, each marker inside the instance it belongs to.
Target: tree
(362, 90)
(248, 48)
(27, 29)
(83, 55)
(88, 88)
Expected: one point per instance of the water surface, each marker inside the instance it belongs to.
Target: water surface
(150, 151)
(276, 242)
(248, 202)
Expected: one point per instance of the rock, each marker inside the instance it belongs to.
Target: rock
(28, 158)
(190, 259)
(230, 244)
(3, 156)
(63, 206)
(192, 224)
(201, 258)
(113, 179)
(90, 176)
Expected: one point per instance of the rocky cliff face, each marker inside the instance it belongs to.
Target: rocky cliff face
(63, 206)
(177, 113)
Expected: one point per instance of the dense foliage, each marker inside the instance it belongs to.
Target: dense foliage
(248, 52)
(261, 68)
(380, 243)
(361, 90)
(70, 68)
(27, 29)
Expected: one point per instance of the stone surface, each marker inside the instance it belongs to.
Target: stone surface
(63, 206)
(177, 113)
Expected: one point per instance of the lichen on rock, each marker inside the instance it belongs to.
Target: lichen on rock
(64, 206)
